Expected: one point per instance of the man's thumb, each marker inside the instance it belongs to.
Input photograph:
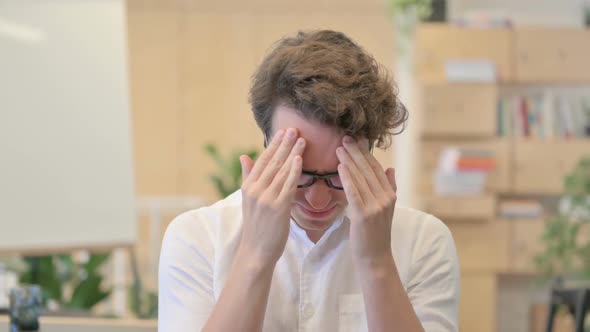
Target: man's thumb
(247, 165)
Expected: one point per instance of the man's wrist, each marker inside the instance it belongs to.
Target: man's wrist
(249, 262)
(375, 268)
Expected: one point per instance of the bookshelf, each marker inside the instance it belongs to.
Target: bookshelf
(535, 67)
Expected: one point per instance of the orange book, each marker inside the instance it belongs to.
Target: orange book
(472, 163)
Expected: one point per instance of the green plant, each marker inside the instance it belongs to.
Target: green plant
(57, 272)
(228, 179)
(406, 14)
(566, 236)
(142, 301)
(422, 8)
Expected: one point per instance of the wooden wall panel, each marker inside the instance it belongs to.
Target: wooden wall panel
(218, 59)
(153, 65)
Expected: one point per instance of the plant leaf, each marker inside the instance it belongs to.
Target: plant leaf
(88, 293)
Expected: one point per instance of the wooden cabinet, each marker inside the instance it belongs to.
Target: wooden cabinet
(550, 55)
(540, 165)
(482, 247)
(477, 306)
(438, 43)
(459, 110)
(464, 115)
(525, 244)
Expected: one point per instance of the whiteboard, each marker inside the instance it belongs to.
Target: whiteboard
(66, 176)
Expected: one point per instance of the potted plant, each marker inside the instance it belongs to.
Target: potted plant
(228, 178)
(566, 237)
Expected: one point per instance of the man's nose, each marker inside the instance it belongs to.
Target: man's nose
(318, 195)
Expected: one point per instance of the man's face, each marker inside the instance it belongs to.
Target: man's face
(316, 207)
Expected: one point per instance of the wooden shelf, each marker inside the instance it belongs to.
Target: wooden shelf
(465, 116)
(461, 208)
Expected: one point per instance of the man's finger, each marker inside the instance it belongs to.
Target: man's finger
(266, 155)
(279, 159)
(247, 165)
(278, 182)
(290, 185)
(390, 173)
(355, 174)
(350, 189)
(360, 160)
(374, 163)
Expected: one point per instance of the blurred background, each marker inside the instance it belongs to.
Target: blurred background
(116, 116)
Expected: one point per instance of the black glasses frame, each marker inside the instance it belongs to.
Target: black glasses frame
(315, 176)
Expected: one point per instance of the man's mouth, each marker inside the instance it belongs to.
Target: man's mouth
(317, 213)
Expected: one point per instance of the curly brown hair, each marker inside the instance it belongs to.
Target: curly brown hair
(330, 79)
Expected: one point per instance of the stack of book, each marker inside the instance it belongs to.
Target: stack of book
(463, 171)
(544, 115)
(520, 208)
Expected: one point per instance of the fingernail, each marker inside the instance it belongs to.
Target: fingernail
(291, 132)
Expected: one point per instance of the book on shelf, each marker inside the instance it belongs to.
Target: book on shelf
(544, 115)
(463, 171)
(520, 208)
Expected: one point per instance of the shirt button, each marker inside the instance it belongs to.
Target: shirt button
(308, 311)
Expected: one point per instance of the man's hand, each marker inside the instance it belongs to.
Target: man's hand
(268, 191)
(371, 195)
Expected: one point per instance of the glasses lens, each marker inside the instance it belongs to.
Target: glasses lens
(305, 180)
(336, 182)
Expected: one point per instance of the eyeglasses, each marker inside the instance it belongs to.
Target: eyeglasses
(309, 178)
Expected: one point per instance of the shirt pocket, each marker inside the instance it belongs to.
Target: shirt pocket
(352, 316)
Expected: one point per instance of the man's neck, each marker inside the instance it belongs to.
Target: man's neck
(315, 236)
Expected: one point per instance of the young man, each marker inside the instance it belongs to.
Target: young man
(313, 241)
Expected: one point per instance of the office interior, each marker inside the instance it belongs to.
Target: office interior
(116, 116)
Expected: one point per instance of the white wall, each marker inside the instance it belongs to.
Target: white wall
(65, 145)
(525, 12)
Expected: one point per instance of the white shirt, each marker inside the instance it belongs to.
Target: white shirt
(314, 286)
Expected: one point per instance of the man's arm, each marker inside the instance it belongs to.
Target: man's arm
(268, 190)
(387, 305)
(432, 298)
(242, 303)
(371, 194)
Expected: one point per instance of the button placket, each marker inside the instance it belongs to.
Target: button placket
(306, 307)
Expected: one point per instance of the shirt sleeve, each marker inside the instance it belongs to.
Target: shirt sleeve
(185, 276)
(435, 278)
